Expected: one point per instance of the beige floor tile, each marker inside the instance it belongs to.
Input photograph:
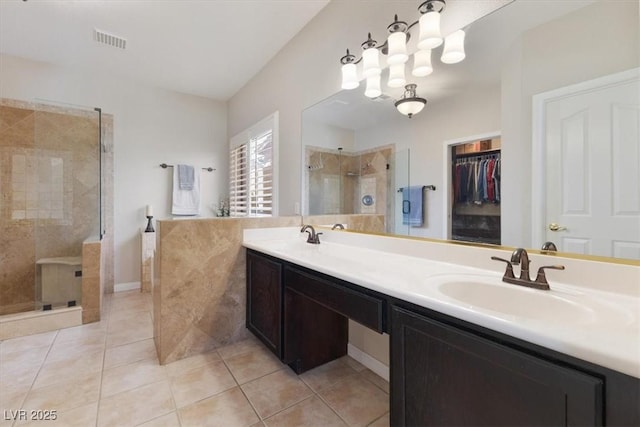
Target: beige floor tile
(376, 379)
(353, 363)
(129, 353)
(201, 382)
(275, 392)
(241, 347)
(83, 331)
(125, 294)
(62, 370)
(325, 375)
(12, 400)
(131, 331)
(120, 316)
(356, 400)
(180, 366)
(131, 304)
(71, 349)
(169, 420)
(19, 379)
(126, 321)
(383, 421)
(312, 412)
(22, 359)
(18, 369)
(136, 406)
(28, 342)
(228, 409)
(65, 395)
(134, 375)
(255, 364)
(82, 416)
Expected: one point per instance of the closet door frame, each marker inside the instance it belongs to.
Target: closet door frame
(446, 179)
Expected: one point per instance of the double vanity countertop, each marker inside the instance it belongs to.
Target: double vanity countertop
(591, 312)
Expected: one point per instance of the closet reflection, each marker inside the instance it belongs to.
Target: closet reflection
(476, 179)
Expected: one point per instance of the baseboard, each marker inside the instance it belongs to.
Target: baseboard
(370, 362)
(129, 286)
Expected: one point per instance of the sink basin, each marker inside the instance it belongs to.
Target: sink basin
(490, 293)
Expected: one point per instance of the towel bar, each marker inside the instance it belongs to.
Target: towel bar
(424, 187)
(164, 166)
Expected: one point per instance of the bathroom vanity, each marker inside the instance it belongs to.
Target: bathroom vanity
(447, 368)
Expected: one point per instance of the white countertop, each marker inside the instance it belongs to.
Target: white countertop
(597, 325)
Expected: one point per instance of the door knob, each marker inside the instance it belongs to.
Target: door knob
(556, 227)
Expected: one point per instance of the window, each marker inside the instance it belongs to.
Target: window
(252, 170)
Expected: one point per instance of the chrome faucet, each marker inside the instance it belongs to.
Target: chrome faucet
(520, 256)
(314, 238)
(338, 225)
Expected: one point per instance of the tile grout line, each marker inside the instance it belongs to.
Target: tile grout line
(289, 407)
(24, 399)
(332, 409)
(104, 355)
(255, 411)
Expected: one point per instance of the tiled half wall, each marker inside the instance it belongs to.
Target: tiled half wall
(199, 291)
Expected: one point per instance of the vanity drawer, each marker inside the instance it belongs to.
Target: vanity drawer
(356, 305)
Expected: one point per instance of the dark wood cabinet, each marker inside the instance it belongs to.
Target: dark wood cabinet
(282, 312)
(444, 371)
(265, 300)
(444, 376)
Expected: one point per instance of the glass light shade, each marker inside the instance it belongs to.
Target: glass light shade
(373, 87)
(453, 48)
(409, 106)
(397, 48)
(371, 62)
(396, 76)
(350, 76)
(422, 63)
(430, 36)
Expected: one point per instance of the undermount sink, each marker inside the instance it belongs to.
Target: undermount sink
(490, 293)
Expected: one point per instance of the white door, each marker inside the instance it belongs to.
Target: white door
(592, 140)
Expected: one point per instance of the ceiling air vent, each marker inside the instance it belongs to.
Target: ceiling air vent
(109, 39)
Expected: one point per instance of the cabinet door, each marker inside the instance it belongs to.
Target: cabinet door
(443, 376)
(313, 333)
(264, 300)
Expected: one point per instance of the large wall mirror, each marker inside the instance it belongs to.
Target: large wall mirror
(555, 83)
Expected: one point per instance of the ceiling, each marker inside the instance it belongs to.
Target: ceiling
(209, 48)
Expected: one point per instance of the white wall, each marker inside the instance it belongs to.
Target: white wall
(326, 136)
(151, 126)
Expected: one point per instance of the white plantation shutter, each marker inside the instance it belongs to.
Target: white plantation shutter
(252, 175)
(238, 182)
(261, 175)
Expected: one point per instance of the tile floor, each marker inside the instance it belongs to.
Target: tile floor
(107, 374)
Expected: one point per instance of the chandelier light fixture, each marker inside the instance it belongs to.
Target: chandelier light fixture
(395, 49)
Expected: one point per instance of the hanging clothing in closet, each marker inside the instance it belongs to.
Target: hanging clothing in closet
(477, 180)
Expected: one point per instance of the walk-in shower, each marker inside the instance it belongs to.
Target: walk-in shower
(50, 186)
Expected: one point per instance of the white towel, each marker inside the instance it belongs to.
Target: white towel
(186, 202)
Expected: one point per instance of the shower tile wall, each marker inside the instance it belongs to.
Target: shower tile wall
(357, 174)
(49, 186)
